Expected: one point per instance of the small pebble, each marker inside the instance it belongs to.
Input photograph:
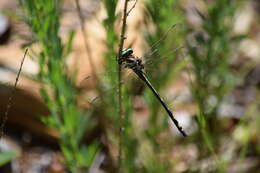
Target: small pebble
(4, 29)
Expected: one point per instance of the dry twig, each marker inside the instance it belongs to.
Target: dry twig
(132, 7)
(87, 48)
(10, 100)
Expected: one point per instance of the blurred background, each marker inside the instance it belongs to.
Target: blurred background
(202, 56)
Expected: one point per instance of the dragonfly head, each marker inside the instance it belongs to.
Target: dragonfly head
(127, 52)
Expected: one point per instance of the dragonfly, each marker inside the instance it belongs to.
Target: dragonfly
(130, 61)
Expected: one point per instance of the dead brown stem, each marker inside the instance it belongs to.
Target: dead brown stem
(10, 99)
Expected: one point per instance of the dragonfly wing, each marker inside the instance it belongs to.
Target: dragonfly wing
(158, 51)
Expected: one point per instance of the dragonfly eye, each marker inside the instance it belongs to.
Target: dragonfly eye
(127, 52)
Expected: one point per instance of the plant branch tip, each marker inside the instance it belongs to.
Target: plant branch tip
(132, 7)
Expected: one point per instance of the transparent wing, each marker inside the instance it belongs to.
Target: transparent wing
(163, 50)
(155, 57)
(148, 61)
(90, 84)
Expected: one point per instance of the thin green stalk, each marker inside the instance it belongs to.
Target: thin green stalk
(119, 85)
(208, 141)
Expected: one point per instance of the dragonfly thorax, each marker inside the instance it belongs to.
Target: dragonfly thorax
(130, 61)
(127, 52)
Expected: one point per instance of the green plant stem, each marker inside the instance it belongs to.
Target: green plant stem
(209, 144)
(119, 78)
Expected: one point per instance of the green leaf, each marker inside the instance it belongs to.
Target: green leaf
(8, 156)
